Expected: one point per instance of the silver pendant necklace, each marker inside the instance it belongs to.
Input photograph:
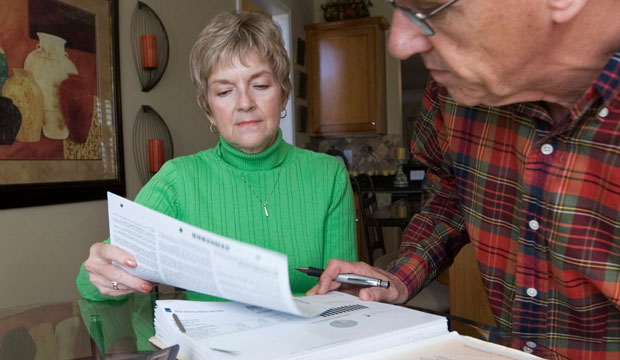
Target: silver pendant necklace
(264, 203)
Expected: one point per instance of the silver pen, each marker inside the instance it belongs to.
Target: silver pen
(352, 279)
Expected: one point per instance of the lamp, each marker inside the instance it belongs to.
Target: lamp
(152, 142)
(149, 45)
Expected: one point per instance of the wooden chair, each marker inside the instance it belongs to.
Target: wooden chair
(373, 235)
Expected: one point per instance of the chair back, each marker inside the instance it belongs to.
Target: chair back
(373, 235)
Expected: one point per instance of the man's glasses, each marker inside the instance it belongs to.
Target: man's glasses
(419, 17)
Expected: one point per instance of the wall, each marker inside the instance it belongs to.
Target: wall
(43, 247)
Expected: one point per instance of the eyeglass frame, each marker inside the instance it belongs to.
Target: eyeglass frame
(419, 18)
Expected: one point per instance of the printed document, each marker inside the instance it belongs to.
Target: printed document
(227, 330)
(172, 252)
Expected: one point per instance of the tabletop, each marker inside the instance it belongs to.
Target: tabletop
(397, 213)
(116, 329)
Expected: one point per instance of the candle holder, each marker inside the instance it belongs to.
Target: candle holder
(400, 180)
(149, 45)
(152, 142)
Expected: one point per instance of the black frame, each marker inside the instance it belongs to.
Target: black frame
(37, 194)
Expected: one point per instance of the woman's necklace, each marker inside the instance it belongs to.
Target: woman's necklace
(264, 203)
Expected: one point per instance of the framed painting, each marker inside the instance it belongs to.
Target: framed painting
(60, 118)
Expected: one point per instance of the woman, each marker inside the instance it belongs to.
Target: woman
(252, 186)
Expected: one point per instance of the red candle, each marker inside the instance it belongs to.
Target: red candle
(149, 51)
(156, 154)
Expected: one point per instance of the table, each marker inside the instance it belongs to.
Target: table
(116, 329)
(397, 213)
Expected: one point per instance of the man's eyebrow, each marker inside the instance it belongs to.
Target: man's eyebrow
(420, 4)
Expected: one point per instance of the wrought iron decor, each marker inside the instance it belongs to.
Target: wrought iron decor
(152, 142)
(149, 44)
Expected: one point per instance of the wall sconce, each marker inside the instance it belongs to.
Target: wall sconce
(152, 142)
(149, 44)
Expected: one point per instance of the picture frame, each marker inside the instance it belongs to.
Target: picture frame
(302, 84)
(75, 153)
(301, 52)
(302, 116)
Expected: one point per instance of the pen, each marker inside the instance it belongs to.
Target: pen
(178, 322)
(353, 279)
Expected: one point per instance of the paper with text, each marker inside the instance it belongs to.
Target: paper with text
(216, 330)
(172, 252)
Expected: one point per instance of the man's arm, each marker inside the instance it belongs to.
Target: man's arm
(436, 234)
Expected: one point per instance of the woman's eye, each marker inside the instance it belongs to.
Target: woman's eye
(223, 93)
(261, 86)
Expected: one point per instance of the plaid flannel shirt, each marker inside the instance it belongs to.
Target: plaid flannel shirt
(540, 204)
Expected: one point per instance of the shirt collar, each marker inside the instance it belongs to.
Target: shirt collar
(608, 82)
(605, 88)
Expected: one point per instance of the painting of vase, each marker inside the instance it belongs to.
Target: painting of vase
(76, 105)
(10, 121)
(50, 66)
(60, 129)
(27, 96)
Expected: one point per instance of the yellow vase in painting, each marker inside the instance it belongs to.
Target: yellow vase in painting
(27, 96)
(50, 66)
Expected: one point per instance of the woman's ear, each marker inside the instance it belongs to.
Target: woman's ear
(565, 10)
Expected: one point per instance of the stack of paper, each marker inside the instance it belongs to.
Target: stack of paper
(266, 321)
(226, 330)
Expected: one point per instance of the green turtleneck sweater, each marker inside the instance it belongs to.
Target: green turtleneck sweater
(222, 190)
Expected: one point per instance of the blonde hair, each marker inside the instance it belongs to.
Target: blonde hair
(232, 35)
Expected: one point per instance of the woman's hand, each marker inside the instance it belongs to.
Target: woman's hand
(397, 292)
(105, 276)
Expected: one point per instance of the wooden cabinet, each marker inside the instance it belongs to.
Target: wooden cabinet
(346, 77)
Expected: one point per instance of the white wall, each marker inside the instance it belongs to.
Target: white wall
(43, 247)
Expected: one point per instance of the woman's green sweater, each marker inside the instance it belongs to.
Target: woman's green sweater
(222, 190)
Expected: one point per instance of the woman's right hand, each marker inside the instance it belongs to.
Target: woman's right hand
(397, 293)
(103, 274)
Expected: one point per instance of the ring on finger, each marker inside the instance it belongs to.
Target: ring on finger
(114, 285)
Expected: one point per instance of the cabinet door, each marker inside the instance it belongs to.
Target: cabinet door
(346, 71)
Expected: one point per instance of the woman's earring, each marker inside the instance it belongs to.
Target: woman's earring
(285, 113)
(211, 128)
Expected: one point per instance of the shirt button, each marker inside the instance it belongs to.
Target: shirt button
(534, 225)
(531, 292)
(530, 344)
(527, 350)
(546, 149)
(603, 112)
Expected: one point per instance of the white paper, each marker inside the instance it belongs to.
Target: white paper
(351, 326)
(451, 346)
(172, 252)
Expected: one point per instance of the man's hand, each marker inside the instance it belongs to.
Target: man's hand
(397, 292)
(103, 274)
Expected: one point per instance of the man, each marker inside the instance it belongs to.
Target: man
(521, 134)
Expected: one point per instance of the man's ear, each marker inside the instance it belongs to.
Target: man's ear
(565, 10)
